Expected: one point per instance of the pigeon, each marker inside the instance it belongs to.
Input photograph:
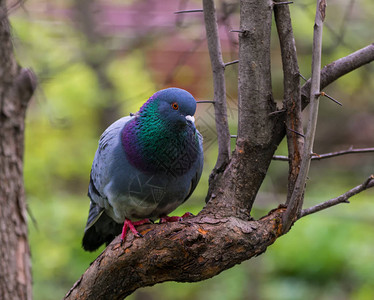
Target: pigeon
(146, 165)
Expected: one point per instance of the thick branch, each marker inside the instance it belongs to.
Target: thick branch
(295, 203)
(255, 128)
(255, 96)
(369, 183)
(243, 176)
(193, 250)
(292, 96)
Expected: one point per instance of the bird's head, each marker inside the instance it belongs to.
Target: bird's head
(175, 106)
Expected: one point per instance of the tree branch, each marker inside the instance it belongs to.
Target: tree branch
(255, 96)
(255, 127)
(218, 68)
(292, 95)
(338, 68)
(220, 108)
(329, 155)
(235, 191)
(188, 11)
(192, 250)
(329, 74)
(231, 62)
(369, 183)
(295, 203)
(195, 249)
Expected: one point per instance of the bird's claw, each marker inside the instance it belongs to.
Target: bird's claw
(131, 225)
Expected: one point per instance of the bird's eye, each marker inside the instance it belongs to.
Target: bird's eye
(175, 105)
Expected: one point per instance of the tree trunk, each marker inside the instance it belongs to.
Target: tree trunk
(16, 88)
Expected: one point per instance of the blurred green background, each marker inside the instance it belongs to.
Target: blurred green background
(99, 60)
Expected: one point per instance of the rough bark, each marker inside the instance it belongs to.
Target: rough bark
(291, 93)
(255, 127)
(234, 192)
(193, 250)
(16, 88)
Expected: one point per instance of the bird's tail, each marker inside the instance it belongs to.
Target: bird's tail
(100, 228)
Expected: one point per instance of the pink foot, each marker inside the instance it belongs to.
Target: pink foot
(128, 224)
(166, 219)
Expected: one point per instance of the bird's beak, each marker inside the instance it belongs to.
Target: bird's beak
(190, 118)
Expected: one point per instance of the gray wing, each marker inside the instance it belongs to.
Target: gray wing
(199, 166)
(101, 172)
(101, 228)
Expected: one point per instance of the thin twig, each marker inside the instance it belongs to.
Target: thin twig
(205, 101)
(298, 133)
(237, 30)
(277, 112)
(232, 62)
(188, 11)
(343, 152)
(281, 3)
(369, 183)
(296, 199)
(301, 75)
(329, 155)
(331, 98)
